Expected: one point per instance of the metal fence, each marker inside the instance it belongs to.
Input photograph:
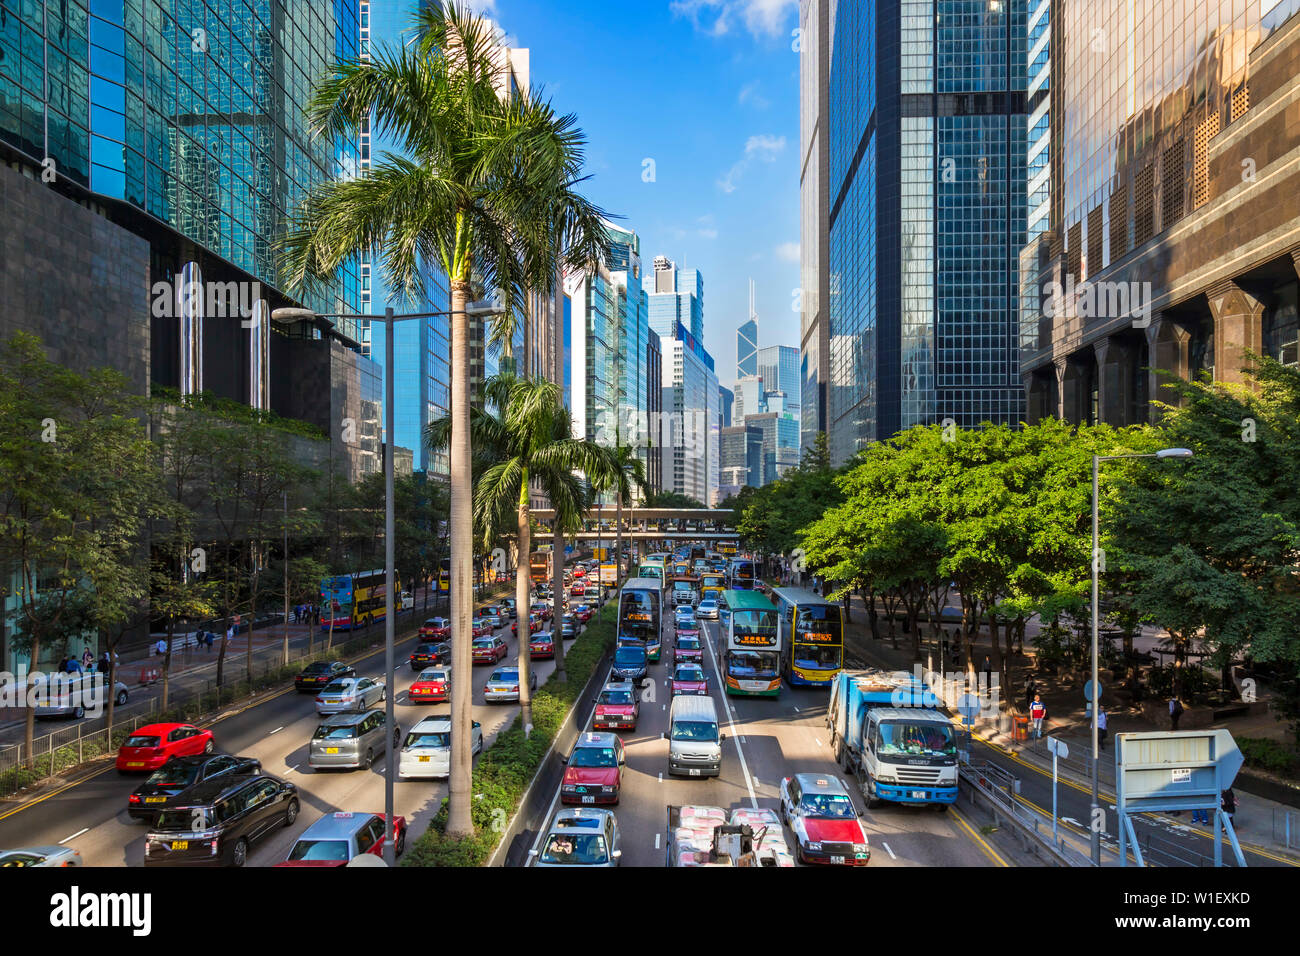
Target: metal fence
(1286, 828)
(999, 791)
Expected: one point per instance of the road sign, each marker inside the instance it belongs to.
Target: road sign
(1058, 747)
(968, 706)
(1087, 690)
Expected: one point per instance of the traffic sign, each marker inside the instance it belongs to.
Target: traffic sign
(1087, 690)
(968, 706)
(1057, 746)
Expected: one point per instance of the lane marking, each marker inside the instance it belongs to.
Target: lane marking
(818, 740)
(743, 740)
(661, 776)
(276, 731)
(731, 722)
(979, 841)
(888, 850)
(796, 709)
(294, 768)
(75, 835)
(657, 835)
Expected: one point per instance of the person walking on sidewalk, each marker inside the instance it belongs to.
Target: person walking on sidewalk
(1101, 727)
(1201, 815)
(1228, 804)
(1175, 711)
(988, 675)
(1031, 691)
(1037, 713)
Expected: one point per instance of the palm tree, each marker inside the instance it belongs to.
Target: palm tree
(523, 436)
(486, 188)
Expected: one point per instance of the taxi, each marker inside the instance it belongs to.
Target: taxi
(617, 707)
(593, 771)
(825, 824)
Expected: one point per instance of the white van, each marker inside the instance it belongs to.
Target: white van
(694, 743)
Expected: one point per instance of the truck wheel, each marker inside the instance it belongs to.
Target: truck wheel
(943, 807)
(838, 745)
(868, 793)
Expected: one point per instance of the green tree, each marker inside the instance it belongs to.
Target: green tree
(489, 193)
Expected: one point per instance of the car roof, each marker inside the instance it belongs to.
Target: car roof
(595, 739)
(426, 724)
(348, 717)
(820, 783)
(440, 669)
(150, 730)
(209, 791)
(619, 685)
(339, 825)
(580, 818)
(507, 669)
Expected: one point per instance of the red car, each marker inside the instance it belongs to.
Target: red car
(617, 707)
(577, 590)
(489, 650)
(687, 649)
(534, 625)
(154, 744)
(543, 609)
(825, 823)
(579, 572)
(482, 628)
(430, 687)
(593, 772)
(336, 838)
(436, 627)
(583, 612)
(690, 679)
(542, 646)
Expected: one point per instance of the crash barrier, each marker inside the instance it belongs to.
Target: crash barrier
(998, 791)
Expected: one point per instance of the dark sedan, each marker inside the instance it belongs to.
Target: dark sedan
(427, 655)
(320, 673)
(172, 782)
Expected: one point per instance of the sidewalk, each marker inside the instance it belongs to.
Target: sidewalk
(1254, 820)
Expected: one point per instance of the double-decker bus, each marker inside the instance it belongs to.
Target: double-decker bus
(649, 568)
(444, 575)
(539, 566)
(712, 584)
(812, 635)
(741, 575)
(354, 600)
(751, 664)
(727, 549)
(640, 615)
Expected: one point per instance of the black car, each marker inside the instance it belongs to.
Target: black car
(319, 673)
(219, 820)
(427, 655)
(171, 782)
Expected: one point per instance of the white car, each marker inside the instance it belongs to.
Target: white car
(707, 610)
(427, 749)
(349, 693)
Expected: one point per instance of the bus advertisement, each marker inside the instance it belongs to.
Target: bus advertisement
(727, 549)
(353, 600)
(444, 576)
(751, 665)
(742, 575)
(539, 566)
(812, 633)
(640, 615)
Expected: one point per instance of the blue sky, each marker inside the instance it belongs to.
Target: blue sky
(708, 90)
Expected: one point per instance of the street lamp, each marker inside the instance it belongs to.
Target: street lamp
(1096, 686)
(481, 307)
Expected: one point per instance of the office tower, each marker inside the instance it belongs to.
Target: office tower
(741, 457)
(1170, 236)
(750, 398)
(726, 399)
(676, 298)
(747, 341)
(654, 414)
(148, 144)
(926, 215)
(814, 229)
(779, 368)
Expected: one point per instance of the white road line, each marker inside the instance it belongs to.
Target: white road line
(664, 707)
(74, 836)
(657, 835)
(276, 731)
(731, 721)
(796, 709)
(819, 741)
(888, 850)
(661, 776)
(293, 769)
(550, 811)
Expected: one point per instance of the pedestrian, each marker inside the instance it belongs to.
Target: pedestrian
(230, 633)
(1031, 689)
(1201, 815)
(87, 658)
(988, 674)
(161, 647)
(211, 640)
(106, 665)
(1101, 727)
(1228, 804)
(74, 666)
(1175, 711)
(1037, 713)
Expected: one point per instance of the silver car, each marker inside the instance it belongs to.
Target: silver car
(350, 693)
(707, 610)
(503, 685)
(348, 741)
(427, 751)
(40, 856)
(580, 836)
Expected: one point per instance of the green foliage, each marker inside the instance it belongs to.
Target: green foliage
(505, 769)
(672, 499)
(237, 413)
(1269, 755)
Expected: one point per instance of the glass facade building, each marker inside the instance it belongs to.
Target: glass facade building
(747, 349)
(926, 215)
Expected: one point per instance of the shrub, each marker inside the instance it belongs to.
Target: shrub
(1270, 755)
(506, 768)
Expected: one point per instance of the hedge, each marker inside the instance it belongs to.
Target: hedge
(1270, 755)
(507, 767)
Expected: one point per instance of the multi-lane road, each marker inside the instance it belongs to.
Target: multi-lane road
(767, 739)
(91, 816)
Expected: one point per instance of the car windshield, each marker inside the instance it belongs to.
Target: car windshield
(326, 732)
(688, 643)
(689, 673)
(629, 656)
(502, 677)
(593, 757)
(427, 649)
(708, 605)
(320, 850)
(320, 667)
(433, 622)
(174, 774)
(433, 675)
(437, 739)
(338, 687)
(483, 645)
(917, 739)
(615, 697)
(141, 741)
(833, 806)
(575, 849)
(693, 730)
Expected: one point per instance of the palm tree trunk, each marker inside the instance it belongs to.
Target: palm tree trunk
(523, 590)
(459, 823)
(557, 597)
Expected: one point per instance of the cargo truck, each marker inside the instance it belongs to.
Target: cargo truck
(701, 836)
(888, 733)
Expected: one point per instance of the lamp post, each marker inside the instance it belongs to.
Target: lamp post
(484, 307)
(1096, 687)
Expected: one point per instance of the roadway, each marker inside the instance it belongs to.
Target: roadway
(90, 814)
(767, 739)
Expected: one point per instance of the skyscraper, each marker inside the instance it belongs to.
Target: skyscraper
(814, 231)
(727, 399)
(747, 341)
(926, 215)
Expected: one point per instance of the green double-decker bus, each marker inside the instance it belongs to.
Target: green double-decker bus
(751, 665)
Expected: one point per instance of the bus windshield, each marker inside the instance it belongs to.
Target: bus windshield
(639, 631)
(817, 656)
(917, 739)
(819, 622)
(754, 624)
(755, 664)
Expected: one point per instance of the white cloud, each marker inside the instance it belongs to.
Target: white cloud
(763, 147)
(482, 7)
(716, 17)
(788, 252)
(749, 94)
(705, 229)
